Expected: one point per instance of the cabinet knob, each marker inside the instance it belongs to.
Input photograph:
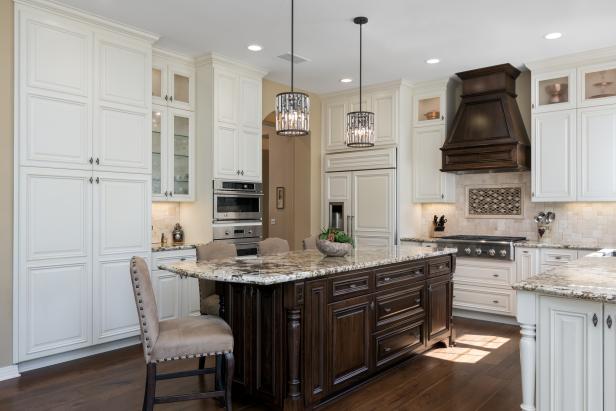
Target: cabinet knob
(443, 196)
(166, 193)
(442, 117)
(98, 180)
(418, 300)
(97, 161)
(170, 98)
(595, 320)
(237, 172)
(532, 105)
(183, 259)
(495, 275)
(387, 349)
(166, 97)
(387, 309)
(91, 180)
(91, 160)
(386, 279)
(609, 321)
(170, 193)
(495, 301)
(242, 172)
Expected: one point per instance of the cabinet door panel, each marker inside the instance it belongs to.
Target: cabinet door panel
(439, 308)
(335, 126)
(374, 190)
(570, 375)
(429, 182)
(609, 359)
(554, 156)
(122, 212)
(160, 153)
(181, 87)
(385, 117)
(181, 151)
(226, 147)
(159, 81)
(115, 313)
(527, 263)
(55, 214)
(369, 241)
(122, 140)
(58, 132)
(227, 91)
(337, 194)
(124, 71)
(55, 309)
(58, 54)
(250, 154)
(597, 154)
(349, 340)
(316, 340)
(250, 103)
(167, 294)
(190, 297)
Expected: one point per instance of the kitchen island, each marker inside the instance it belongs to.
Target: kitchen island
(309, 328)
(567, 317)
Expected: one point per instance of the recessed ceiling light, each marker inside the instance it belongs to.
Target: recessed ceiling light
(255, 47)
(346, 80)
(433, 61)
(553, 36)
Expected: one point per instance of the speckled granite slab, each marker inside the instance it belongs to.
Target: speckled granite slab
(537, 244)
(590, 278)
(298, 265)
(172, 247)
(419, 239)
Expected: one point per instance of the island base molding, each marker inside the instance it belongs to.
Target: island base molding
(301, 344)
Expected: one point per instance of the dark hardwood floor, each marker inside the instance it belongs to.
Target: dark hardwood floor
(481, 373)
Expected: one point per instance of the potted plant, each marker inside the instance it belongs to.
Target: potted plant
(334, 243)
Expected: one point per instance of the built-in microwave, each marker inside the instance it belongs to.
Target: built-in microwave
(236, 200)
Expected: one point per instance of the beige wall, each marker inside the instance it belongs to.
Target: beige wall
(306, 167)
(6, 181)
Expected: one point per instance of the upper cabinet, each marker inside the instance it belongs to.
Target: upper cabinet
(173, 81)
(574, 128)
(234, 123)
(383, 101)
(431, 103)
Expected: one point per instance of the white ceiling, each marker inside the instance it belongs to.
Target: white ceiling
(399, 37)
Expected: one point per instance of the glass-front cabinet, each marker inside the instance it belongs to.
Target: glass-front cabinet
(429, 109)
(173, 161)
(597, 85)
(173, 82)
(554, 91)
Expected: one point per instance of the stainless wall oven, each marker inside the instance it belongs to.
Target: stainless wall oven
(245, 236)
(236, 200)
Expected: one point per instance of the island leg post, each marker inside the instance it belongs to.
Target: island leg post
(294, 299)
(528, 345)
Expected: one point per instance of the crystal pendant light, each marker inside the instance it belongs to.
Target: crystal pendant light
(292, 108)
(360, 124)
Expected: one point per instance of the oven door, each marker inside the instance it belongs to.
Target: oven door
(244, 246)
(229, 206)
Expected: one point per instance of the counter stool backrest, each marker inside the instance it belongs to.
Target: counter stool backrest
(215, 250)
(146, 304)
(273, 246)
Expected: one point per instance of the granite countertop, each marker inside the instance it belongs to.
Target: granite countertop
(590, 278)
(298, 265)
(526, 243)
(156, 247)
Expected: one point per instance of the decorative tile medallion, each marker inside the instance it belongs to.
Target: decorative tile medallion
(504, 201)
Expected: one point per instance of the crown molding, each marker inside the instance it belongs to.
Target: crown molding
(80, 15)
(368, 88)
(173, 54)
(216, 59)
(576, 59)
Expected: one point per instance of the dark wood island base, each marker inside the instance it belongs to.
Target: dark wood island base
(301, 344)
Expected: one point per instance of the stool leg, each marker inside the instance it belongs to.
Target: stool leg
(150, 387)
(201, 363)
(230, 360)
(218, 379)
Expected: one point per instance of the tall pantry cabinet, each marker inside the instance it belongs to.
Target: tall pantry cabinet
(83, 177)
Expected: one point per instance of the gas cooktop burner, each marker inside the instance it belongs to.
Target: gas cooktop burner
(482, 246)
(483, 238)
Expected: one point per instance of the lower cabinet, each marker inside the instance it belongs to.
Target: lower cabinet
(576, 353)
(439, 309)
(176, 297)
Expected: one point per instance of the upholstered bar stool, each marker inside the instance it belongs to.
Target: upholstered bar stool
(209, 300)
(177, 339)
(272, 246)
(310, 243)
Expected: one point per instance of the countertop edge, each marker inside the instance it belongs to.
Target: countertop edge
(526, 244)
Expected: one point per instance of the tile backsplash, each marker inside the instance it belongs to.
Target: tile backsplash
(164, 218)
(590, 224)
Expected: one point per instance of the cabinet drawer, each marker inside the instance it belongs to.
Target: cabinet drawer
(485, 273)
(401, 342)
(557, 257)
(396, 276)
(171, 257)
(352, 285)
(439, 266)
(399, 305)
(469, 297)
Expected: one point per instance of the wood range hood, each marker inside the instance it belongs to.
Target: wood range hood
(488, 134)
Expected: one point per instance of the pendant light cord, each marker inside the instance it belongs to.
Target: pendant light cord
(360, 47)
(292, 51)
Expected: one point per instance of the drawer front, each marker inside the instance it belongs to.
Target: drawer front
(352, 285)
(469, 297)
(397, 276)
(439, 266)
(497, 274)
(399, 343)
(170, 257)
(557, 257)
(400, 305)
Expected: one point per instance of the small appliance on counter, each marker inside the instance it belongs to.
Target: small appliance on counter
(178, 234)
(438, 226)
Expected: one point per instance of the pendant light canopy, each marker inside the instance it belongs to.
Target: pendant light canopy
(360, 124)
(292, 108)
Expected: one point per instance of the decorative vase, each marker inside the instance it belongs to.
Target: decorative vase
(332, 249)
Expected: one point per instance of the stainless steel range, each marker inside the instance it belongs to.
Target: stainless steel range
(482, 246)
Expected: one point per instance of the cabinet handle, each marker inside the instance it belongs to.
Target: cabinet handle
(418, 300)
(442, 117)
(386, 279)
(183, 259)
(170, 98)
(417, 272)
(166, 193)
(91, 160)
(170, 193)
(609, 321)
(387, 349)
(98, 180)
(495, 301)
(242, 172)
(387, 309)
(532, 105)
(495, 275)
(557, 257)
(372, 305)
(595, 320)
(166, 97)
(97, 161)
(443, 196)
(237, 172)
(91, 180)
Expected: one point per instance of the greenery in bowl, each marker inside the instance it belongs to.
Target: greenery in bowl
(335, 236)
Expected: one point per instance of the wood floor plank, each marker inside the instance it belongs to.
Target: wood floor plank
(481, 373)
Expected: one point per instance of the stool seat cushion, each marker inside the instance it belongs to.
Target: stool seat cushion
(192, 337)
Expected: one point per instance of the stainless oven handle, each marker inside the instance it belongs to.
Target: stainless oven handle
(236, 194)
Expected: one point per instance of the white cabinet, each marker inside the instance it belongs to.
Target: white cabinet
(554, 156)
(609, 356)
(430, 185)
(597, 84)
(237, 126)
(173, 81)
(430, 108)
(359, 194)
(527, 262)
(553, 91)
(570, 353)
(173, 154)
(175, 297)
(384, 104)
(334, 120)
(597, 147)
